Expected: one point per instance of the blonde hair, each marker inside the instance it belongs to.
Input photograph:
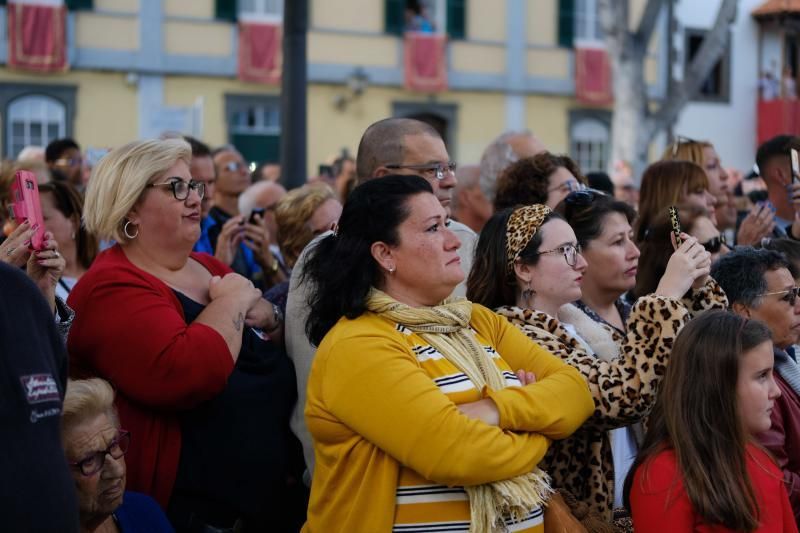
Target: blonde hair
(292, 215)
(119, 179)
(686, 150)
(85, 399)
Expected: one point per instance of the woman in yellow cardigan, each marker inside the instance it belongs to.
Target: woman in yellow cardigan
(428, 413)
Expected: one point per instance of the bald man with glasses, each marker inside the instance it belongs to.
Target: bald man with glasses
(389, 146)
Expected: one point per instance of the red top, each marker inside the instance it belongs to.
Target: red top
(129, 328)
(660, 504)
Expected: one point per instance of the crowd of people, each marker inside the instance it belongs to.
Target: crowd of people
(403, 344)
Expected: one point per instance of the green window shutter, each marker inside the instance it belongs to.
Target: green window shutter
(74, 5)
(566, 23)
(258, 148)
(394, 16)
(456, 19)
(225, 10)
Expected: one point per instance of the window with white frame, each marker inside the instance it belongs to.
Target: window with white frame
(261, 10)
(254, 126)
(34, 120)
(590, 141)
(587, 22)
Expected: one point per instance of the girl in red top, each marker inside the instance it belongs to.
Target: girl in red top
(699, 468)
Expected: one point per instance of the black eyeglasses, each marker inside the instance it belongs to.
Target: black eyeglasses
(570, 252)
(180, 188)
(714, 244)
(93, 463)
(436, 169)
(790, 295)
(679, 140)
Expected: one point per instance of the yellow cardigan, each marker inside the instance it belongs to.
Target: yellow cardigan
(371, 408)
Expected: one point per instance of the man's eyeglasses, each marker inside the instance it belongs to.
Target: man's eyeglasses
(93, 463)
(714, 244)
(679, 140)
(568, 187)
(570, 252)
(233, 166)
(180, 188)
(790, 295)
(437, 169)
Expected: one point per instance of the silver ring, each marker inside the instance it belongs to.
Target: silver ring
(10, 251)
(58, 254)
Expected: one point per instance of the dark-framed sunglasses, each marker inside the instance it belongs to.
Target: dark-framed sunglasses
(570, 252)
(790, 295)
(180, 188)
(94, 462)
(437, 169)
(583, 197)
(714, 244)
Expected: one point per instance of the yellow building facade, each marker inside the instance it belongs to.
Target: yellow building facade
(140, 67)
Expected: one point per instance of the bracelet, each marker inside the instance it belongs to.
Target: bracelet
(277, 314)
(275, 264)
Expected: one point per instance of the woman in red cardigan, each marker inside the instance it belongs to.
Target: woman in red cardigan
(204, 392)
(700, 468)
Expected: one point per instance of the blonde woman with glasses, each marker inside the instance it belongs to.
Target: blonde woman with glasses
(192, 348)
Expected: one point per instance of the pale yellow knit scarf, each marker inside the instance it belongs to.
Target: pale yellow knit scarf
(446, 328)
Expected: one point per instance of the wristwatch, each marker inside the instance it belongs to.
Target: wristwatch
(277, 314)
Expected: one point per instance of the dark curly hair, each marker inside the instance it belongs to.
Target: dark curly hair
(525, 182)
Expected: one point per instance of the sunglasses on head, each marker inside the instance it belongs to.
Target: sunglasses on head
(583, 197)
(679, 140)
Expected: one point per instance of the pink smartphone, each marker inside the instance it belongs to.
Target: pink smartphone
(26, 205)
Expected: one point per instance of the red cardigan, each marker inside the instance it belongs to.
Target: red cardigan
(783, 439)
(129, 328)
(660, 504)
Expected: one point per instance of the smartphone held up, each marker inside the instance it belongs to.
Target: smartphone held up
(676, 224)
(26, 205)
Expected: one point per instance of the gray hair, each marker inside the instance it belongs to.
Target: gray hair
(496, 157)
(741, 273)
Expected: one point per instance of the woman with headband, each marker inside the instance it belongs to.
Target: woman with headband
(529, 268)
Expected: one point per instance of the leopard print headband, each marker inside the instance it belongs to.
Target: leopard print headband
(522, 225)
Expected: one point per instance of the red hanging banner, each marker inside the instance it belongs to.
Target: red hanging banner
(593, 76)
(37, 37)
(260, 52)
(425, 62)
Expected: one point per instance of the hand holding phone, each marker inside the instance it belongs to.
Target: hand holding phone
(26, 205)
(257, 211)
(676, 225)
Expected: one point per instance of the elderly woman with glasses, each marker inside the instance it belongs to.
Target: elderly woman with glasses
(95, 447)
(189, 345)
(530, 267)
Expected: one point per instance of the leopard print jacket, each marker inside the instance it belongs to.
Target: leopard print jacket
(624, 387)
